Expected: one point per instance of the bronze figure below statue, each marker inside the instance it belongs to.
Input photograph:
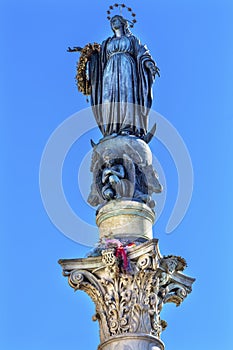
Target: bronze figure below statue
(122, 169)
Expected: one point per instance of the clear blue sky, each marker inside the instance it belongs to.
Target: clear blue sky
(192, 42)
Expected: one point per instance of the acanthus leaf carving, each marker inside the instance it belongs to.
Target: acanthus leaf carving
(131, 302)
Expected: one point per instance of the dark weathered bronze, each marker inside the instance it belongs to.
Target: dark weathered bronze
(119, 77)
(122, 169)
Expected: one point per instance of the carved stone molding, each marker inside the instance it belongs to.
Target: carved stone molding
(125, 218)
(130, 303)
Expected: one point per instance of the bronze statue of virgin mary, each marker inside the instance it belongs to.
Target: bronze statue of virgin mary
(120, 73)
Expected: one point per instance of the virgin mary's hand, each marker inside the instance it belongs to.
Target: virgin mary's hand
(75, 49)
(152, 68)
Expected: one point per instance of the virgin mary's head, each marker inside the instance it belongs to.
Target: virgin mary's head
(119, 21)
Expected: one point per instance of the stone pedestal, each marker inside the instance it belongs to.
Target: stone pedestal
(132, 341)
(128, 303)
(125, 219)
(125, 275)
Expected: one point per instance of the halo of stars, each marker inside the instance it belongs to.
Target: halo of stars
(122, 6)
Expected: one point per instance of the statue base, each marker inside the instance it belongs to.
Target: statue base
(132, 341)
(125, 219)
